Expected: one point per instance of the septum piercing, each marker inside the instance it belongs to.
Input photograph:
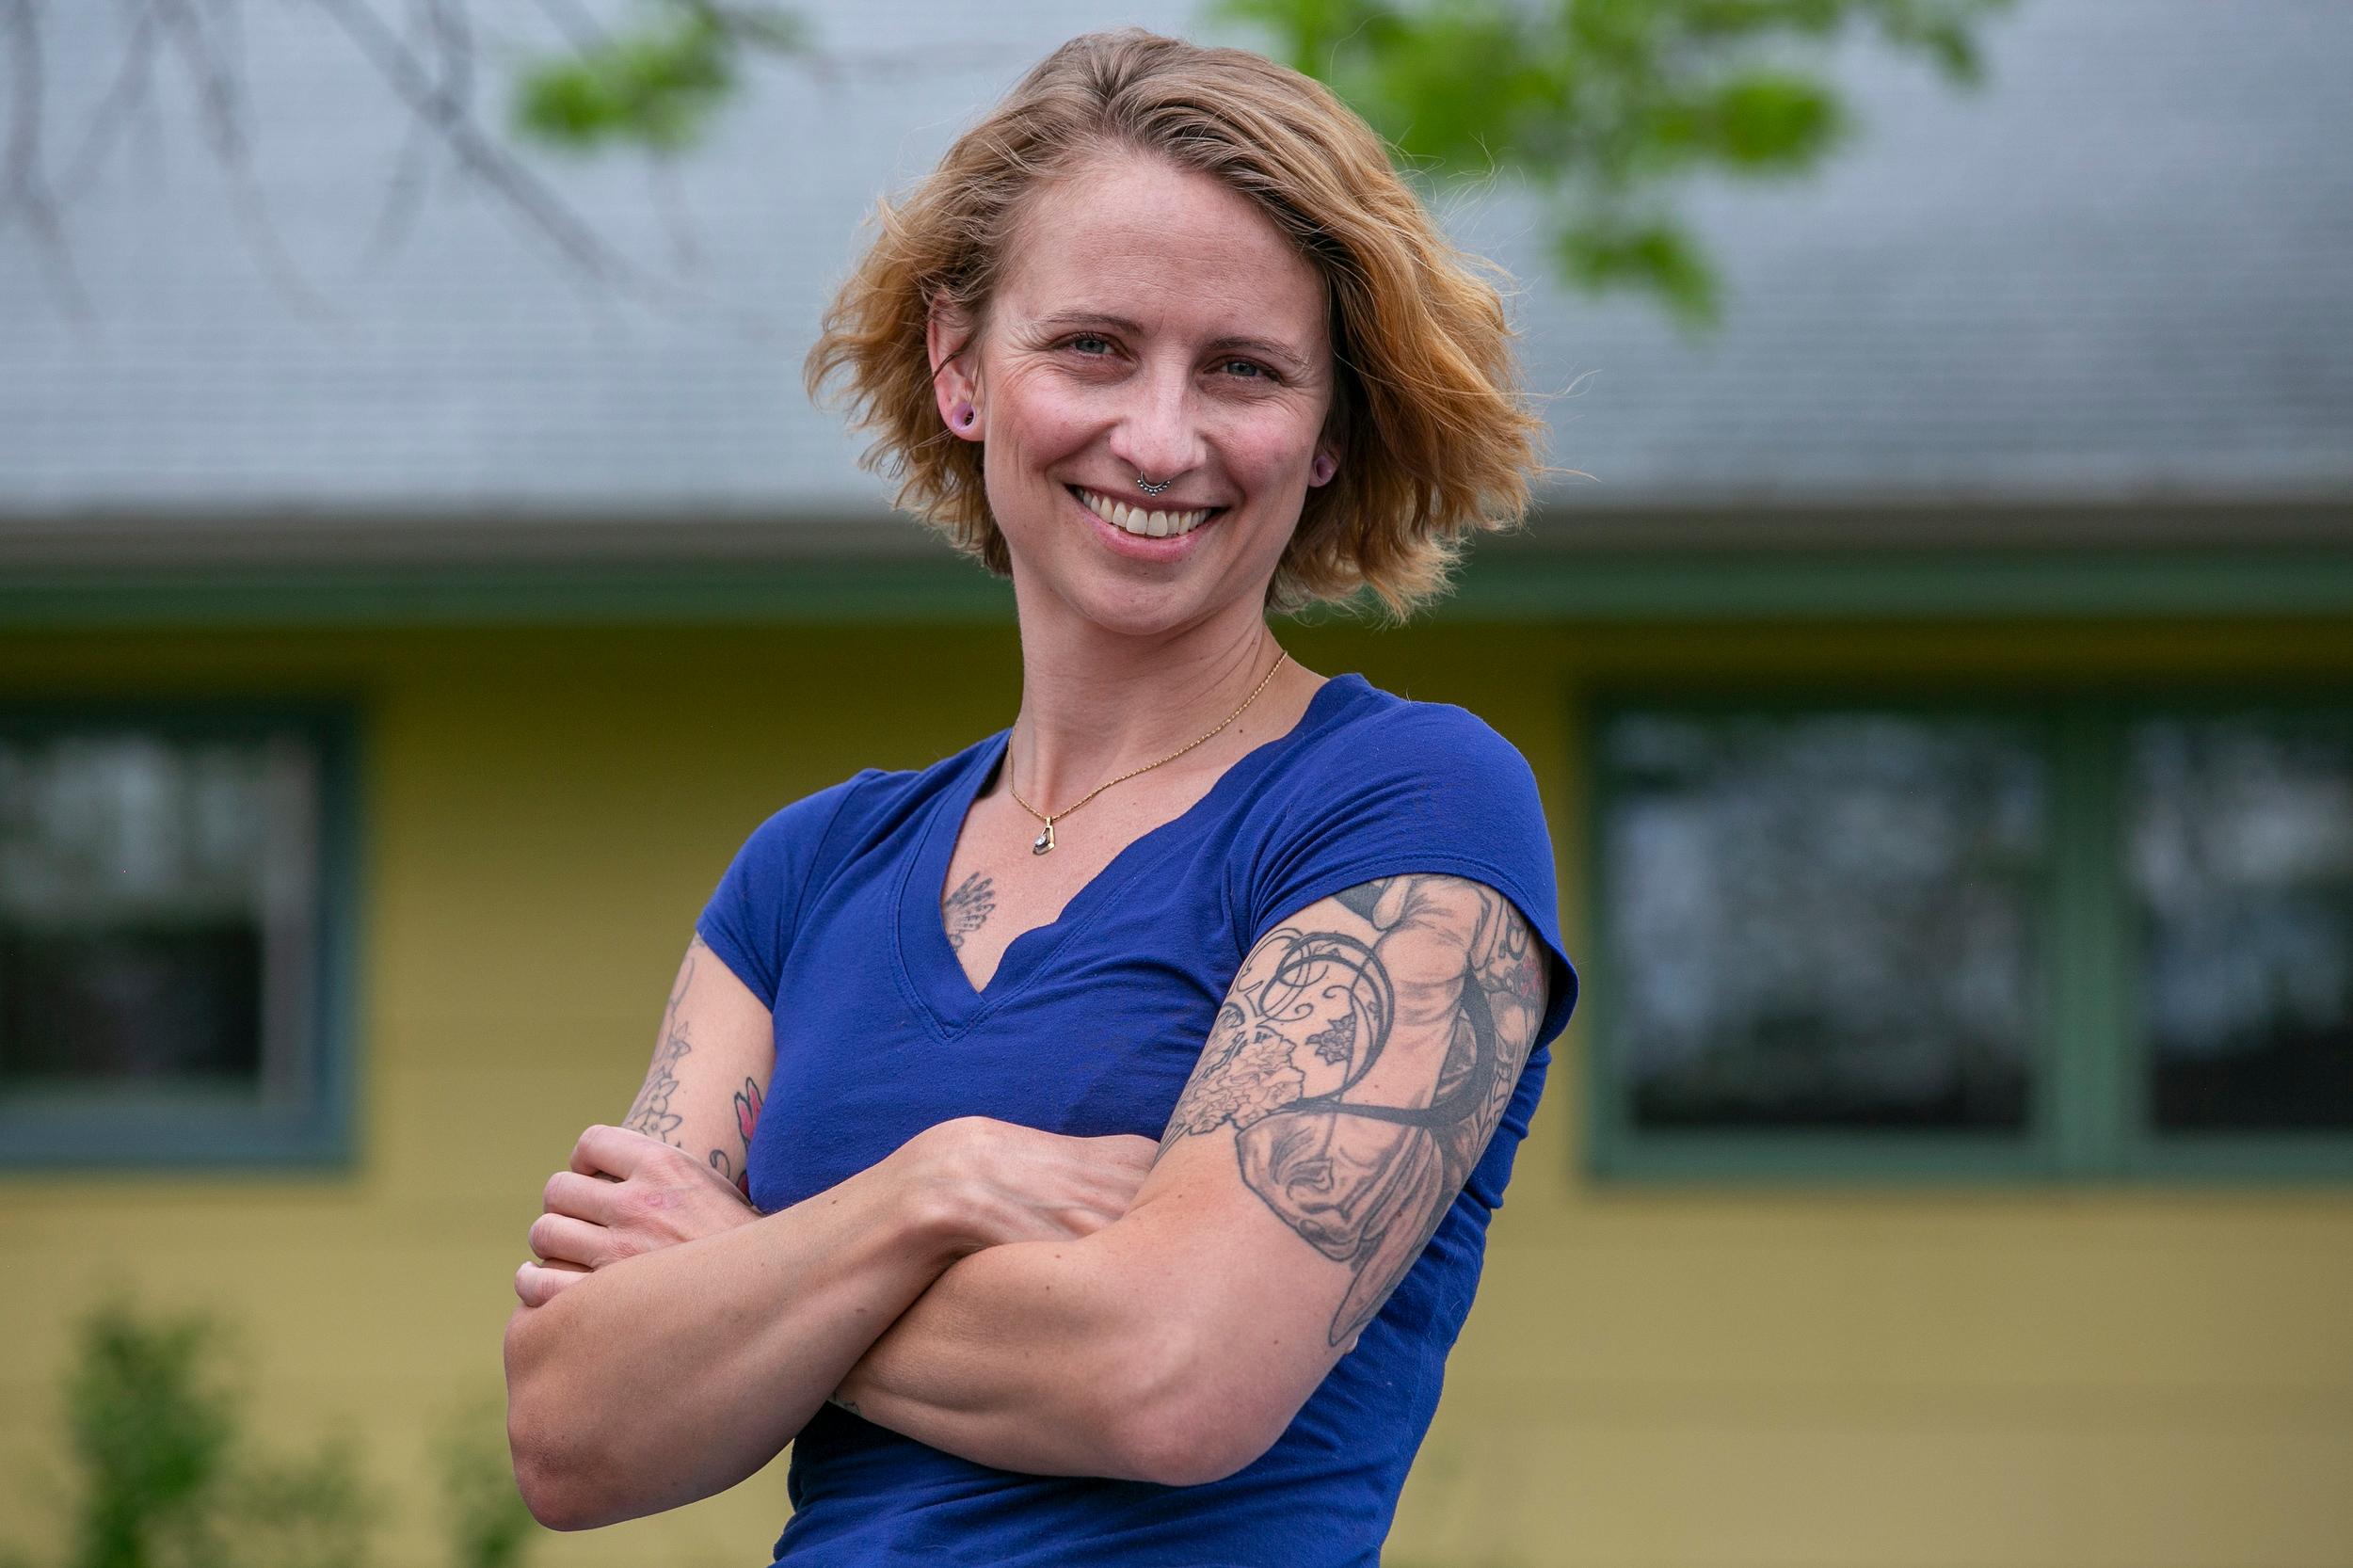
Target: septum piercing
(1151, 488)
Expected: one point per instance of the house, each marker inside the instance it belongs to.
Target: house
(1942, 692)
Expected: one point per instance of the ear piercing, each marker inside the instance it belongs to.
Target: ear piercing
(965, 416)
(1323, 468)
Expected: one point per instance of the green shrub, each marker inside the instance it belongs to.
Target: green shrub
(167, 1475)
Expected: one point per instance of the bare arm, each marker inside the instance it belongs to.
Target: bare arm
(709, 1103)
(668, 1347)
(1360, 1063)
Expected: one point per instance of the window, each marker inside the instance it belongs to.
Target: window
(2082, 937)
(175, 912)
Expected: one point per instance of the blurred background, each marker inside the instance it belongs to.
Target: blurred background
(421, 567)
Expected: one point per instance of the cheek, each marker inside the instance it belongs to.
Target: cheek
(1044, 418)
(1269, 453)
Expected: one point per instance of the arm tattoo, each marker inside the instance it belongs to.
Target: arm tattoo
(1363, 1081)
(974, 901)
(747, 1103)
(652, 1114)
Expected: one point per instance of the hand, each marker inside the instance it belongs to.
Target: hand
(1004, 1182)
(625, 1194)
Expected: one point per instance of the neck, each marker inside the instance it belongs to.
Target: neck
(1096, 704)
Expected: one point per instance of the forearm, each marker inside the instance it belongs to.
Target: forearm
(671, 1376)
(1028, 1357)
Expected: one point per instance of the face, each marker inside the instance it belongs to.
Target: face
(1151, 322)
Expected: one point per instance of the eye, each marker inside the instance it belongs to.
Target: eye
(1083, 339)
(1250, 370)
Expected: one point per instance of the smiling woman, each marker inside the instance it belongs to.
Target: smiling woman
(1111, 1194)
(1409, 340)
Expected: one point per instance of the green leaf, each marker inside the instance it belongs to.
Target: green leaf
(655, 86)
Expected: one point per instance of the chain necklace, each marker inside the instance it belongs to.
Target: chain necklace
(1044, 840)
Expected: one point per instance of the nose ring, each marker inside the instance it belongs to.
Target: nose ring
(1151, 488)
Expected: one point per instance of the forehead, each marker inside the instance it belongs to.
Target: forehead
(1173, 250)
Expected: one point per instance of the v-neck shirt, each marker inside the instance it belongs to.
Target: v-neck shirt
(831, 914)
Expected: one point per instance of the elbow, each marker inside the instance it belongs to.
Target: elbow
(1191, 1447)
(542, 1476)
(1191, 1423)
(541, 1493)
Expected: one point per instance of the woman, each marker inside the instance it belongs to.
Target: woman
(1165, 340)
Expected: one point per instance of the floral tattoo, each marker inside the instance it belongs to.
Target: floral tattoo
(1364, 1078)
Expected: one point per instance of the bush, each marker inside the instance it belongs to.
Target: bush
(169, 1478)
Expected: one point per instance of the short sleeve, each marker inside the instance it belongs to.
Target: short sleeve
(750, 916)
(1432, 790)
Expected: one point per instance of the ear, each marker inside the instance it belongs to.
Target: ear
(947, 337)
(1326, 464)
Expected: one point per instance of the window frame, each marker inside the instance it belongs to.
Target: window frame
(2088, 1104)
(145, 1133)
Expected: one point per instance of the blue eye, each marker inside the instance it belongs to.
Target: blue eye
(1087, 338)
(1257, 371)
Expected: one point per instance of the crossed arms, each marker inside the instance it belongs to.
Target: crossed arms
(1072, 1306)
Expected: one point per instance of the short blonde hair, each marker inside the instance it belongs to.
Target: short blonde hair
(1436, 437)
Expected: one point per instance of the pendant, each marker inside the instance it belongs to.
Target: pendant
(1044, 842)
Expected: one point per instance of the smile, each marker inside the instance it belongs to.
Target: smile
(1137, 520)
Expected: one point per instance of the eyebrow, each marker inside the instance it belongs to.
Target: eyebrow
(1267, 346)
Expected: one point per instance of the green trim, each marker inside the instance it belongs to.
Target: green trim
(139, 1134)
(1852, 584)
(2086, 955)
(1501, 584)
(2088, 1101)
(829, 593)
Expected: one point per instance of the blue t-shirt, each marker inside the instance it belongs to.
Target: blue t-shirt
(1090, 1026)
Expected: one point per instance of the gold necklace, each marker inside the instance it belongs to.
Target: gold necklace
(1044, 840)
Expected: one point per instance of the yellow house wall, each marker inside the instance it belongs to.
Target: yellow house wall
(1951, 1377)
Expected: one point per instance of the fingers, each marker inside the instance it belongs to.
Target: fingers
(582, 1197)
(537, 1284)
(559, 1239)
(613, 1151)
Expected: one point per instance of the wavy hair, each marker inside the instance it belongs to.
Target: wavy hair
(1436, 439)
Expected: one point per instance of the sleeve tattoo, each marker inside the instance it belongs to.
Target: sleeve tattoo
(1364, 1079)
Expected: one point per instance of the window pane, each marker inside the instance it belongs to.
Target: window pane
(1823, 920)
(156, 912)
(2242, 855)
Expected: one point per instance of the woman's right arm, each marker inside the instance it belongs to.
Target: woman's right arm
(667, 1375)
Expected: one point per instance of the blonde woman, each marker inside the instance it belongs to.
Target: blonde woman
(1121, 1099)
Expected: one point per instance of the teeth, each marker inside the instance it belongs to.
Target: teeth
(1135, 519)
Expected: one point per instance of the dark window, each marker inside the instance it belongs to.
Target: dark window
(1823, 919)
(2088, 936)
(174, 914)
(2242, 873)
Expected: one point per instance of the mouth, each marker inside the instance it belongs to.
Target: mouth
(1144, 523)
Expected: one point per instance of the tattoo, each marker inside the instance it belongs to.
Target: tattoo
(652, 1114)
(1364, 1079)
(747, 1103)
(964, 910)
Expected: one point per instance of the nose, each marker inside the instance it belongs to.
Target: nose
(1158, 431)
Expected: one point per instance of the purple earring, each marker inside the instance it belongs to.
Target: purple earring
(965, 416)
(1323, 470)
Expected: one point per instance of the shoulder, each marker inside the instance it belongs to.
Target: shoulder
(753, 913)
(1393, 785)
(1388, 750)
(795, 830)
(1393, 788)
(869, 799)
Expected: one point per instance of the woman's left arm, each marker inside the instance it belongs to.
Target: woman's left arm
(1358, 1067)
